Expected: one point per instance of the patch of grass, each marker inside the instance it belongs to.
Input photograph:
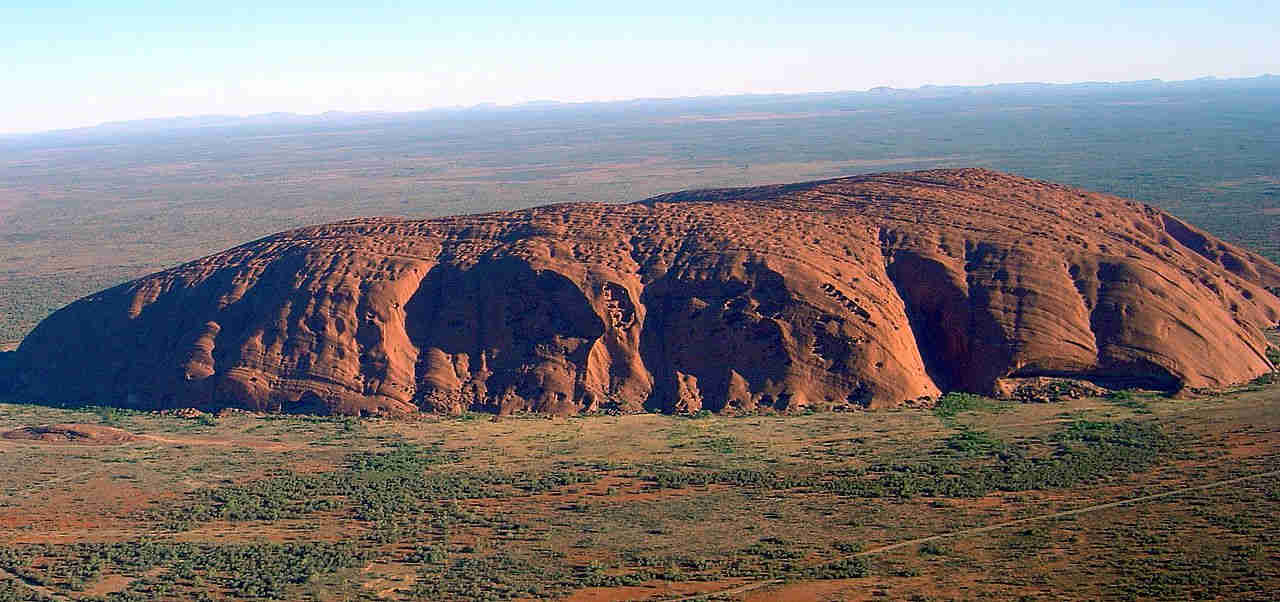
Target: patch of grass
(974, 443)
(1127, 399)
(952, 404)
(1140, 435)
(401, 458)
(721, 445)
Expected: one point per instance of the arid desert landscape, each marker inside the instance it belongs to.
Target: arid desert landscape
(1129, 496)
(657, 302)
(938, 384)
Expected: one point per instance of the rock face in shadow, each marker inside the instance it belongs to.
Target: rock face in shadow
(867, 291)
(7, 371)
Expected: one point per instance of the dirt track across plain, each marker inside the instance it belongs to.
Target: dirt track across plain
(976, 530)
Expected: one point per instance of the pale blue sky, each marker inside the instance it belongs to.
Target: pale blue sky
(82, 63)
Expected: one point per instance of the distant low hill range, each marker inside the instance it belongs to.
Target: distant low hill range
(868, 291)
(739, 101)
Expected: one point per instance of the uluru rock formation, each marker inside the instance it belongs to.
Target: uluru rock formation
(863, 291)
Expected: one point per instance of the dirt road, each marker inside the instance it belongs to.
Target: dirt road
(977, 530)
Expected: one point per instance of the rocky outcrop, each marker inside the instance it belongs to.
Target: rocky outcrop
(865, 291)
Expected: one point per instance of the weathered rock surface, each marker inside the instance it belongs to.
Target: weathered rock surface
(864, 291)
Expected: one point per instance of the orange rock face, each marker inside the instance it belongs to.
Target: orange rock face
(865, 291)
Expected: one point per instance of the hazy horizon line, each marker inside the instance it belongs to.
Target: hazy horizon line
(569, 103)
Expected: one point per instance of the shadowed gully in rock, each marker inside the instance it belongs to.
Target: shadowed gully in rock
(867, 291)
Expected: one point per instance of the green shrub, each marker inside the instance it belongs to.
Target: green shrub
(951, 404)
(973, 443)
(741, 477)
(14, 591)
(1265, 380)
(497, 577)
(772, 548)
(932, 548)
(429, 555)
(1120, 395)
(847, 547)
(1128, 399)
(845, 568)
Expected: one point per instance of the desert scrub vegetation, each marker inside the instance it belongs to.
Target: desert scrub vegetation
(496, 577)
(1084, 452)
(1134, 400)
(1165, 568)
(503, 576)
(432, 522)
(767, 558)
(955, 403)
(257, 570)
(373, 486)
(13, 591)
(969, 464)
(974, 443)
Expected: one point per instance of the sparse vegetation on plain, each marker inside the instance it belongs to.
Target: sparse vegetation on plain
(654, 506)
